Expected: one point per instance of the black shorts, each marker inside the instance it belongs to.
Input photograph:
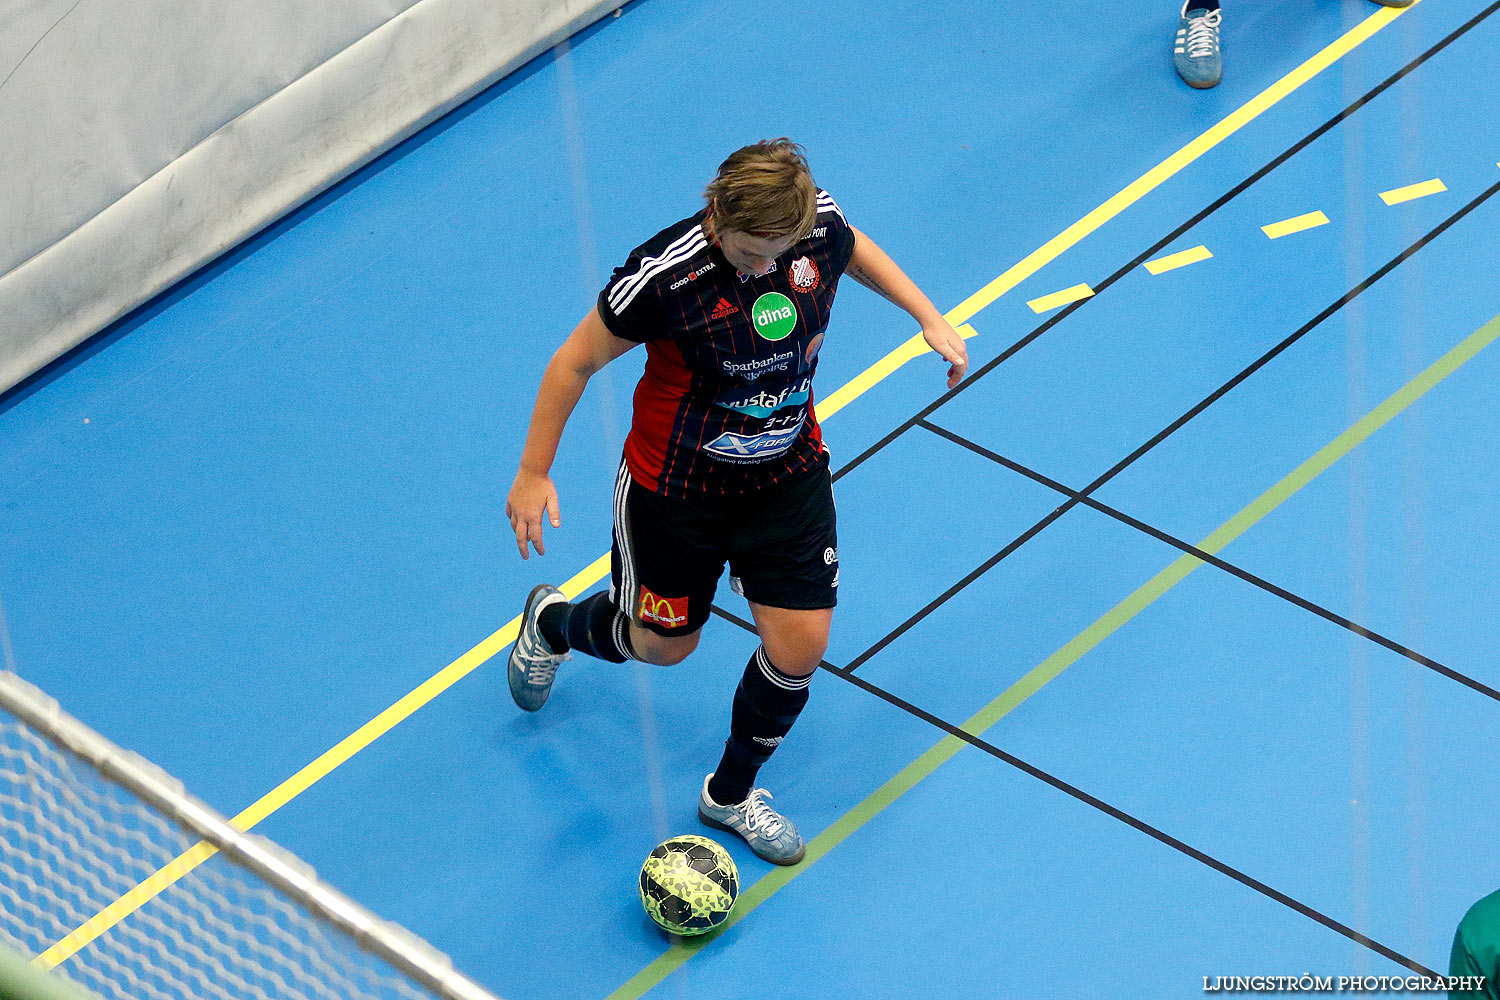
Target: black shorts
(780, 543)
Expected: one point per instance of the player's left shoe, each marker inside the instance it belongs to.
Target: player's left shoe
(769, 834)
(533, 665)
(1196, 47)
(1395, 3)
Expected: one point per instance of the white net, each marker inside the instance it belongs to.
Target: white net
(249, 924)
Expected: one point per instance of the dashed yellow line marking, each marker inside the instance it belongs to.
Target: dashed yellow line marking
(1286, 227)
(1076, 649)
(1062, 298)
(1169, 167)
(588, 577)
(1172, 262)
(1411, 191)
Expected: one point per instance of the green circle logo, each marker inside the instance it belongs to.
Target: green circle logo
(773, 315)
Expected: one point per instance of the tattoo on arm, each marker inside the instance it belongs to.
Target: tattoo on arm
(867, 279)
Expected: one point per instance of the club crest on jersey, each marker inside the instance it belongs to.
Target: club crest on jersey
(804, 274)
(670, 612)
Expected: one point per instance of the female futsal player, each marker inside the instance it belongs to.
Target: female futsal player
(724, 461)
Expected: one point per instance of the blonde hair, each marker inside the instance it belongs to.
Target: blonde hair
(764, 189)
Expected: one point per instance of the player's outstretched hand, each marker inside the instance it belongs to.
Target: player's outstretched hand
(941, 337)
(532, 497)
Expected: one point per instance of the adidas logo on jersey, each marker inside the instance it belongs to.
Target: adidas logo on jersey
(724, 308)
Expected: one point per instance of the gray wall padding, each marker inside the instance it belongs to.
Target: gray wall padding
(139, 141)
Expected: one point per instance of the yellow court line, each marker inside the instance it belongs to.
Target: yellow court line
(1062, 298)
(1287, 227)
(387, 720)
(913, 347)
(1038, 677)
(1172, 262)
(1397, 195)
(1164, 170)
(304, 779)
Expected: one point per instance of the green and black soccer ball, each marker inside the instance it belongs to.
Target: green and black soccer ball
(689, 884)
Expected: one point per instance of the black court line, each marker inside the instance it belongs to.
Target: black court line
(1109, 810)
(1162, 243)
(1171, 428)
(1214, 560)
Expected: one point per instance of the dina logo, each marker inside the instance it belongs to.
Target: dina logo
(774, 316)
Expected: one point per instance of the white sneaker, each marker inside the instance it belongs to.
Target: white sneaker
(533, 664)
(769, 834)
(1196, 49)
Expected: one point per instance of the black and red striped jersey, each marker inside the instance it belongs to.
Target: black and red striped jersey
(726, 403)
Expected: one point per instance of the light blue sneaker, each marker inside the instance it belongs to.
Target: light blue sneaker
(769, 834)
(533, 664)
(1196, 51)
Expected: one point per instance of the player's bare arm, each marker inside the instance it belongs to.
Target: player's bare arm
(533, 497)
(873, 268)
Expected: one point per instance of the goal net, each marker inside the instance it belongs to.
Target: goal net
(116, 879)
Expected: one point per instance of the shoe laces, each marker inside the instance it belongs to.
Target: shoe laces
(541, 662)
(1203, 35)
(542, 668)
(760, 817)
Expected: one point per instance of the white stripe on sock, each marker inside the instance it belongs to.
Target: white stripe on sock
(781, 680)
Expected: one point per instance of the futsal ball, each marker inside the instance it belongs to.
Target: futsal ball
(688, 885)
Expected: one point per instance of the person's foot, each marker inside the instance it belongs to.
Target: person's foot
(1395, 3)
(1196, 51)
(533, 664)
(769, 834)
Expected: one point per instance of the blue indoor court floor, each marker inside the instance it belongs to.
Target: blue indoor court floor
(1163, 650)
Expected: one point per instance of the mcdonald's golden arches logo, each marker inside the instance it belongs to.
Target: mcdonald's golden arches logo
(669, 611)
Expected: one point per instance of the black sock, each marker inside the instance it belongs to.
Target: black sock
(593, 626)
(1208, 5)
(766, 703)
